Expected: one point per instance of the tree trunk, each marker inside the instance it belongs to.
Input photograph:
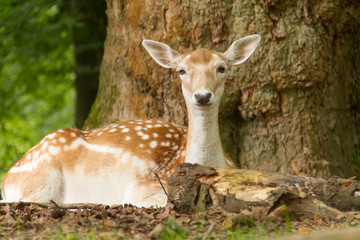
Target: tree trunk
(293, 107)
(88, 37)
(253, 193)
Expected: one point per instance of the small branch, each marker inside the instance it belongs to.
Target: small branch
(157, 176)
(208, 232)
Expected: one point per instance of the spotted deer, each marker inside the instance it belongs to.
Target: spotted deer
(118, 164)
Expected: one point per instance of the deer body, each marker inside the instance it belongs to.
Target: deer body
(99, 166)
(117, 164)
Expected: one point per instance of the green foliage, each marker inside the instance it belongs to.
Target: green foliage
(91, 234)
(247, 229)
(173, 231)
(36, 74)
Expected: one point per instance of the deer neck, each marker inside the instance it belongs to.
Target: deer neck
(203, 139)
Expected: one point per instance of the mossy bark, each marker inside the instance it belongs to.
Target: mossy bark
(293, 107)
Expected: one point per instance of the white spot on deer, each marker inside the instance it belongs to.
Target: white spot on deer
(155, 135)
(51, 135)
(99, 133)
(149, 126)
(171, 130)
(114, 126)
(153, 144)
(125, 130)
(127, 138)
(113, 130)
(166, 125)
(168, 135)
(176, 136)
(148, 121)
(183, 153)
(175, 147)
(158, 125)
(28, 157)
(44, 146)
(137, 128)
(73, 134)
(36, 154)
(141, 145)
(144, 137)
(122, 126)
(140, 133)
(165, 144)
(60, 130)
(54, 150)
(62, 140)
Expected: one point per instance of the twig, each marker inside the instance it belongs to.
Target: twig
(206, 235)
(161, 184)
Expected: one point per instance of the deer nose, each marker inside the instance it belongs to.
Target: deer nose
(203, 98)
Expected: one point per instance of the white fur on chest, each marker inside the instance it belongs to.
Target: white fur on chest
(204, 145)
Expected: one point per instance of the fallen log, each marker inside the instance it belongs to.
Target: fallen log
(194, 187)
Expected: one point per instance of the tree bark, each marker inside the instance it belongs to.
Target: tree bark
(253, 193)
(293, 107)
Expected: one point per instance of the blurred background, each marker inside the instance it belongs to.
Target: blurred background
(50, 52)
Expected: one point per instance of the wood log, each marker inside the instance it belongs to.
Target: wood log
(252, 193)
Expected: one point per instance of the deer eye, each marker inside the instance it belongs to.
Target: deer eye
(182, 71)
(221, 69)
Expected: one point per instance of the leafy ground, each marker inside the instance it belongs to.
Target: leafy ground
(34, 221)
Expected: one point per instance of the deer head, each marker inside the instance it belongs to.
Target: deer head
(203, 73)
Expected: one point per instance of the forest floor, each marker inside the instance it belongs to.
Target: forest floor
(37, 221)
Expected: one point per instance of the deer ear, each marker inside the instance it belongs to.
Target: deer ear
(242, 49)
(162, 53)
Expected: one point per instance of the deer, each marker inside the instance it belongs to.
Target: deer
(125, 162)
